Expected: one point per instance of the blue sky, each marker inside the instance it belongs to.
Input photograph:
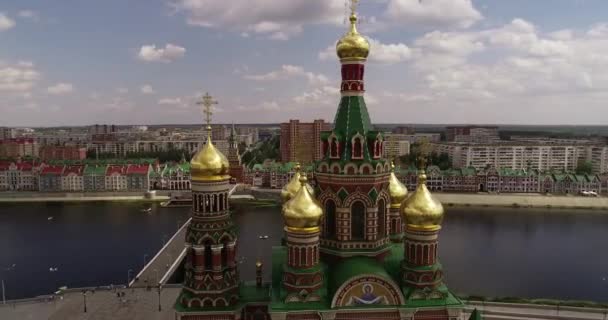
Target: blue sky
(432, 61)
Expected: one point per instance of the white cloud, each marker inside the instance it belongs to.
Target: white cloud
(433, 13)
(171, 101)
(325, 95)
(122, 90)
(264, 106)
(6, 22)
(20, 77)
(60, 88)
(147, 89)
(28, 14)
(274, 19)
(169, 53)
(289, 71)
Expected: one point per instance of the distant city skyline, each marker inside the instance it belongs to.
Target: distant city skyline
(431, 61)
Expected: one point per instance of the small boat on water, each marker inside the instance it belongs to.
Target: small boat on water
(146, 210)
(177, 201)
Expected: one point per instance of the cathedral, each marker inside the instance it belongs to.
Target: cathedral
(356, 246)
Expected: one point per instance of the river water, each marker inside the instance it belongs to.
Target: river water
(533, 253)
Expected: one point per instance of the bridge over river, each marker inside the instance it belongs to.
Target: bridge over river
(168, 259)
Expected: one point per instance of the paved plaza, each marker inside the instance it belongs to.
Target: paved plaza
(136, 304)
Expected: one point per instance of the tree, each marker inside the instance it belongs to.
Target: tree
(584, 167)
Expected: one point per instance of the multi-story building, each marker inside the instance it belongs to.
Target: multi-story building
(19, 147)
(474, 134)
(395, 148)
(7, 133)
(72, 178)
(404, 130)
(598, 157)
(138, 177)
(301, 142)
(219, 132)
(116, 178)
(63, 153)
(511, 155)
(94, 177)
(253, 132)
(18, 176)
(50, 178)
(102, 129)
(413, 138)
(171, 176)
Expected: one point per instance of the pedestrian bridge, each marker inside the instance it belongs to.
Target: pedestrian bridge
(168, 259)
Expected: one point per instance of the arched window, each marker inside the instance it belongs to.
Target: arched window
(381, 219)
(357, 211)
(334, 148)
(208, 255)
(378, 148)
(357, 149)
(330, 219)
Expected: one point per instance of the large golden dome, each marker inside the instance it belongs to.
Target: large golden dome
(302, 213)
(421, 210)
(294, 185)
(209, 164)
(396, 189)
(352, 46)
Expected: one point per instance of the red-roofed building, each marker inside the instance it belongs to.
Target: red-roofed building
(18, 176)
(20, 147)
(50, 178)
(63, 153)
(72, 178)
(138, 177)
(116, 178)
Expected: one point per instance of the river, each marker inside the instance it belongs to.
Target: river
(535, 253)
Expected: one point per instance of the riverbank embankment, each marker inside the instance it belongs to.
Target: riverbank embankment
(513, 200)
(10, 197)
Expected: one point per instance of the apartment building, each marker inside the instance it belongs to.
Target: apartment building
(474, 134)
(301, 142)
(396, 148)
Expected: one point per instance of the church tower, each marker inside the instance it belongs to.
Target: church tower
(210, 275)
(234, 158)
(353, 176)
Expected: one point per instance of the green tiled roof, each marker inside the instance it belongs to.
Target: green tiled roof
(352, 118)
(352, 267)
(98, 170)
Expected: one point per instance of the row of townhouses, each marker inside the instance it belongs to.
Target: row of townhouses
(150, 175)
(67, 176)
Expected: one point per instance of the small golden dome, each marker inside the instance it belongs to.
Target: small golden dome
(396, 189)
(302, 213)
(292, 187)
(421, 210)
(209, 164)
(352, 46)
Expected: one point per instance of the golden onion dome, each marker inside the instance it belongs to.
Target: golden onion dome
(421, 210)
(303, 212)
(352, 46)
(396, 189)
(209, 164)
(292, 187)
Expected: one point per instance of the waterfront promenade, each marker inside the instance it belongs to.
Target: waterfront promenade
(25, 196)
(524, 200)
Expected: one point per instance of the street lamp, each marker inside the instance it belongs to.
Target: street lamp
(129, 277)
(84, 296)
(145, 259)
(3, 288)
(164, 239)
(160, 286)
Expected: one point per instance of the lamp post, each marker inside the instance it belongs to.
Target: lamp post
(84, 297)
(156, 273)
(145, 259)
(3, 293)
(165, 237)
(160, 286)
(129, 277)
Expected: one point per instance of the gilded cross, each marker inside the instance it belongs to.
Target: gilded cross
(207, 102)
(353, 6)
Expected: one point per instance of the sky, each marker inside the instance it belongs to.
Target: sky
(267, 61)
